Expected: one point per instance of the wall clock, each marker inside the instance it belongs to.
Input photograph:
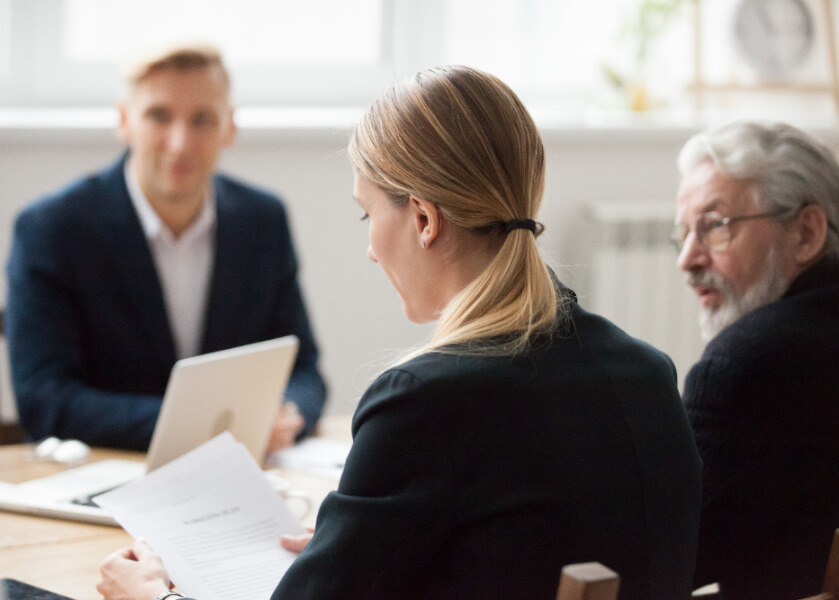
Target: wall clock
(774, 36)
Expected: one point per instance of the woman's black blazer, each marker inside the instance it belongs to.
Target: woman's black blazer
(480, 477)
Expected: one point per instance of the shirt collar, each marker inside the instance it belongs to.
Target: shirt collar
(824, 272)
(151, 223)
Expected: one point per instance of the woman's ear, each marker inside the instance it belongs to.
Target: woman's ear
(427, 220)
(810, 234)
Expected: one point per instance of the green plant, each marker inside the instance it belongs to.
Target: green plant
(652, 18)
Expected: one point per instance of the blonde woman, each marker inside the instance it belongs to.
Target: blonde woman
(527, 433)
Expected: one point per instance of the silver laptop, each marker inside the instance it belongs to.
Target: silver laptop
(237, 390)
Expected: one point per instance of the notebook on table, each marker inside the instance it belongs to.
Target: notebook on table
(237, 390)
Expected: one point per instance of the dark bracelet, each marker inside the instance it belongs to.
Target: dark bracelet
(170, 594)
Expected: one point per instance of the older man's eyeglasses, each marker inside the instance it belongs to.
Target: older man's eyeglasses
(713, 230)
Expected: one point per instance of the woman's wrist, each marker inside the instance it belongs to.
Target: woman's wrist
(170, 595)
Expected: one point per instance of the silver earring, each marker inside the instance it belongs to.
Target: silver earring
(422, 243)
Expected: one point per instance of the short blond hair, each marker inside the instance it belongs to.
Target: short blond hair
(179, 57)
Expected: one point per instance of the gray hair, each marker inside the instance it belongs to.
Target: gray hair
(787, 168)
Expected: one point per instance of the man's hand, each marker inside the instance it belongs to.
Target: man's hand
(134, 573)
(288, 424)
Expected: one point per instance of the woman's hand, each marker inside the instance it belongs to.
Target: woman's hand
(134, 573)
(296, 543)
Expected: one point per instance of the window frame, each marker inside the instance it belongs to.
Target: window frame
(33, 73)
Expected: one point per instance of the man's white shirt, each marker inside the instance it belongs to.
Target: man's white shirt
(183, 265)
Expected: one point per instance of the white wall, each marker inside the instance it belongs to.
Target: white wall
(357, 316)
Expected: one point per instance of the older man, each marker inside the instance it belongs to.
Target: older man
(756, 226)
(157, 257)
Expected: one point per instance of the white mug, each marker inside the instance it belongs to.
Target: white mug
(293, 497)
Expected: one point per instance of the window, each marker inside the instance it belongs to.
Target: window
(281, 33)
(554, 53)
(280, 51)
(558, 53)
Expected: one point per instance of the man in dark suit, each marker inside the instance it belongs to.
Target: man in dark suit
(156, 258)
(758, 209)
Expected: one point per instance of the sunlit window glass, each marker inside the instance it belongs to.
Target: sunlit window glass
(562, 52)
(249, 32)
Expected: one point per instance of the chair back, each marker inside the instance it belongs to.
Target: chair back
(10, 430)
(594, 581)
(588, 581)
(830, 587)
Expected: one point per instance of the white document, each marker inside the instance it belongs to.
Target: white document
(314, 456)
(87, 479)
(214, 519)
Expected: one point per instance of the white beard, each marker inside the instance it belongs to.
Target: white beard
(768, 288)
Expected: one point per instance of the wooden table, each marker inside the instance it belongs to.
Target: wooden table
(64, 556)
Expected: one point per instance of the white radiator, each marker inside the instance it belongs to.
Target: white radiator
(636, 282)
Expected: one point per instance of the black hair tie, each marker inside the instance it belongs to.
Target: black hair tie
(513, 224)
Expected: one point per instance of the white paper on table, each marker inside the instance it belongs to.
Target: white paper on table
(314, 456)
(87, 479)
(213, 518)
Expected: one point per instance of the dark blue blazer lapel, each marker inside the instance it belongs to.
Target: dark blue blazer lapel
(136, 274)
(228, 263)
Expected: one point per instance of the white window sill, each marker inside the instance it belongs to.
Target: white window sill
(328, 123)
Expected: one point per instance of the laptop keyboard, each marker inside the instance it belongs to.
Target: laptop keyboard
(87, 500)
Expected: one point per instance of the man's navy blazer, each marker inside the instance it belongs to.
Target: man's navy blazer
(90, 344)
